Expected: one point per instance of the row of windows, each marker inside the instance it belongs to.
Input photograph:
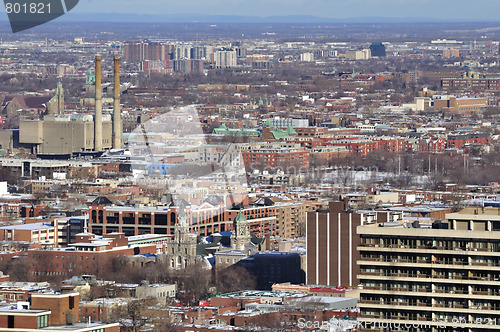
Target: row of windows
(67, 257)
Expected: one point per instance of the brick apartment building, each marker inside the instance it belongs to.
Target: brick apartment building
(90, 254)
(363, 147)
(459, 141)
(49, 312)
(142, 50)
(203, 220)
(469, 83)
(276, 155)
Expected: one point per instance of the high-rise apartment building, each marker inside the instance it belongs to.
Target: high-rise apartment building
(332, 246)
(225, 58)
(182, 52)
(146, 51)
(434, 277)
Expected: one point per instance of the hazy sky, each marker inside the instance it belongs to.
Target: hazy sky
(446, 9)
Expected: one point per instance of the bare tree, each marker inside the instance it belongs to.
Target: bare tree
(132, 317)
(234, 278)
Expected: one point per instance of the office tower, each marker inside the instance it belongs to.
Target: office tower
(378, 49)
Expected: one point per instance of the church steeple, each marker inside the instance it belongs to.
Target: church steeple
(241, 232)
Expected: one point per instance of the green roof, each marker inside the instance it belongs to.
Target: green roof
(242, 131)
(240, 217)
(291, 131)
(279, 133)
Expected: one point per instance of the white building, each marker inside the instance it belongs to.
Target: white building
(307, 57)
(161, 292)
(225, 58)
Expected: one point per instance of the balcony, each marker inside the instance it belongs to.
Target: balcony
(370, 259)
(399, 303)
(479, 263)
(370, 316)
(480, 293)
(423, 305)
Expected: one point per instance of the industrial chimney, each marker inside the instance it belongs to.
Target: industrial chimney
(98, 106)
(117, 117)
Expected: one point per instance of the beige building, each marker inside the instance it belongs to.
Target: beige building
(459, 105)
(160, 292)
(363, 54)
(291, 219)
(63, 134)
(440, 277)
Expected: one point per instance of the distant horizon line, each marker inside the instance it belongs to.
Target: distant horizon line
(234, 18)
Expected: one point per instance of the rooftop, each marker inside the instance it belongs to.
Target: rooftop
(28, 227)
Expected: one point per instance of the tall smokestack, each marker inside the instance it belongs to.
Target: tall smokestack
(117, 117)
(98, 106)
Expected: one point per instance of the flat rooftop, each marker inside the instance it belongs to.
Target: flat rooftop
(28, 227)
(258, 294)
(76, 327)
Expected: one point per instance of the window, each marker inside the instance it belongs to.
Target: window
(42, 321)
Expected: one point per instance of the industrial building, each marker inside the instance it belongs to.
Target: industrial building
(66, 134)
